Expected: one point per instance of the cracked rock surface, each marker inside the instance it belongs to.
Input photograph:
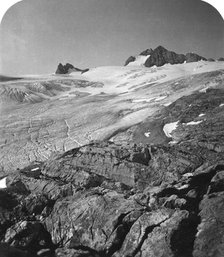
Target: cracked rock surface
(69, 209)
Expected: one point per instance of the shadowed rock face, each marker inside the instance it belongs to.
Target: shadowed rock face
(68, 68)
(192, 57)
(160, 56)
(64, 69)
(211, 60)
(147, 52)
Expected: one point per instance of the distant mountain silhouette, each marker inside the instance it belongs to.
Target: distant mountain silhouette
(7, 78)
(160, 56)
(192, 57)
(210, 60)
(68, 68)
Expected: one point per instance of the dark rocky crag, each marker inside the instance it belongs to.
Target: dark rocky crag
(211, 60)
(67, 69)
(160, 56)
(147, 52)
(121, 200)
(130, 59)
(192, 57)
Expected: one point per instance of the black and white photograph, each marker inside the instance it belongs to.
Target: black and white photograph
(111, 128)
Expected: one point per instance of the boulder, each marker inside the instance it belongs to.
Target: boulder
(95, 219)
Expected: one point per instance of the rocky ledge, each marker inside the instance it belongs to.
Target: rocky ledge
(123, 200)
(75, 205)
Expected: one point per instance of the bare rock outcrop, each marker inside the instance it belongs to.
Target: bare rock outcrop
(146, 52)
(82, 213)
(192, 57)
(160, 56)
(68, 68)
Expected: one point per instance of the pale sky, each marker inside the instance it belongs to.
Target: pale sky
(35, 35)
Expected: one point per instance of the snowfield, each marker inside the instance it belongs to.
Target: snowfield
(194, 122)
(140, 60)
(3, 183)
(169, 128)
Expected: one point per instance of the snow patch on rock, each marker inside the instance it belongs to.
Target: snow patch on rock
(203, 90)
(194, 122)
(147, 134)
(160, 98)
(189, 174)
(169, 128)
(3, 183)
(140, 60)
(37, 168)
(173, 142)
(167, 104)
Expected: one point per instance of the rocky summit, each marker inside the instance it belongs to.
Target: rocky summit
(114, 162)
(160, 56)
(67, 69)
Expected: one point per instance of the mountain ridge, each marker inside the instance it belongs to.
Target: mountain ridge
(68, 68)
(160, 56)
